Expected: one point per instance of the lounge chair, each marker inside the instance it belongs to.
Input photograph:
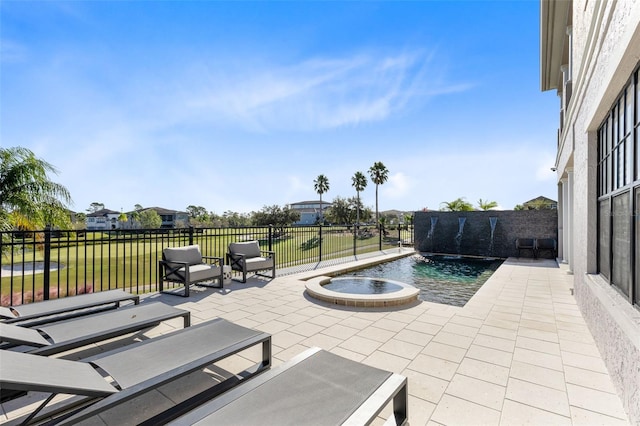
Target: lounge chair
(60, 336)
(65, 307)
(247, 257)
(314, 388)
(547, 244)
(186, 266)
(135, 369)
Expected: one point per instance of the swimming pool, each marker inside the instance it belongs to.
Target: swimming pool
(440, 279)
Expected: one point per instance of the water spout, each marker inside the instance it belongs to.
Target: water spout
(492, 221)
(458, 239)
(434, 220)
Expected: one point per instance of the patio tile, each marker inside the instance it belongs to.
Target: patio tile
(420, 410)
(462, 330)
(401, 348)
(588, 379)
(491, 373)
(547, 336)
(424, 327)
(539, 375)
(360, 345)
(579, 348)
(538, 396)
(377, 334)
(478, 391)
(503, 333)
(340, 331)
(582, 417)
(538, 358)
(348, 354)
(456, 411)
(456, 340)
(415, 337)
(387, 361)
(324, 320)
(424, 386)
(357, 323)
(285, 339)
(293, 318)
(492, 356)
(448, 352)
(305, 329)
(494, 342)
(433, 366)
(515, 413)
(537, 345)
(463, 320)
(322, 341)
(583, 361)
(597, 401)
(390, 325)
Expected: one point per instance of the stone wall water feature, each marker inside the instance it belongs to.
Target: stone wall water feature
(482, 233)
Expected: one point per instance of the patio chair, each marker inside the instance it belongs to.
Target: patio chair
(65, 307)
(186, 266)
(314, 388)
(526, 244)
(135, 370)
(547, 244)
(247, 257)
(60, 336)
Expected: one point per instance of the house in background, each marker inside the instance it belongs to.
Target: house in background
(171, 218)
(589, 54)
(540, 203)
(309, 211)
(103, 219)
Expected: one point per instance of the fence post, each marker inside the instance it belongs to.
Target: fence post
(320, 244)
(355, 240)
(47, 262)
(379, 237)
(190, 235)
(270, 237)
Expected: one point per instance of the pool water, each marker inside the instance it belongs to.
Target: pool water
(364, 285)
(440, 279)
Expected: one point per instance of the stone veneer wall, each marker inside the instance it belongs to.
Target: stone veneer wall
(475, 239)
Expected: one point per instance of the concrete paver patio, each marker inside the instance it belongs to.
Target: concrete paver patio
(518, 353)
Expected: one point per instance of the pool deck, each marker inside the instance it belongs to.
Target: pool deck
(518, 353)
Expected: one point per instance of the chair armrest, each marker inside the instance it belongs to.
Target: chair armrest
(213, 259)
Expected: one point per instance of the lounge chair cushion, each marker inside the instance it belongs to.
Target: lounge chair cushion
(257, 263)
(189, 254)
(248, 248)
(202, 272)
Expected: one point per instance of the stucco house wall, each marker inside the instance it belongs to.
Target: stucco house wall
(605, 41)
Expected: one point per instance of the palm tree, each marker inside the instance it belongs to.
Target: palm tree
(28, 199)
(487, 205)
(379, 175)
(359, 182)
(457, 205)
(321, 185)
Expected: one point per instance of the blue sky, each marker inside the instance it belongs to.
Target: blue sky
(239, 105)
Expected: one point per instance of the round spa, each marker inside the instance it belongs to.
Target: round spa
(361, 292)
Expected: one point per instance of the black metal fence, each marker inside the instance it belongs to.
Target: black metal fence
(38, 265)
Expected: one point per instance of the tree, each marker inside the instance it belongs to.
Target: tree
(123, 219)
(487, 205)
(137, 207)
(359, 182)
(344, 211)
(95, 206)
(321, 185)
(379, 175)
(150, 219)
(197, 212)
(276, 216)
(28, 199)
(457, 205)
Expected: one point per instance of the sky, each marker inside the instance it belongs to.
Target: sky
(238, 105)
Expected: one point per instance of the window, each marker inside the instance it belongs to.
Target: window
(619, 193)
